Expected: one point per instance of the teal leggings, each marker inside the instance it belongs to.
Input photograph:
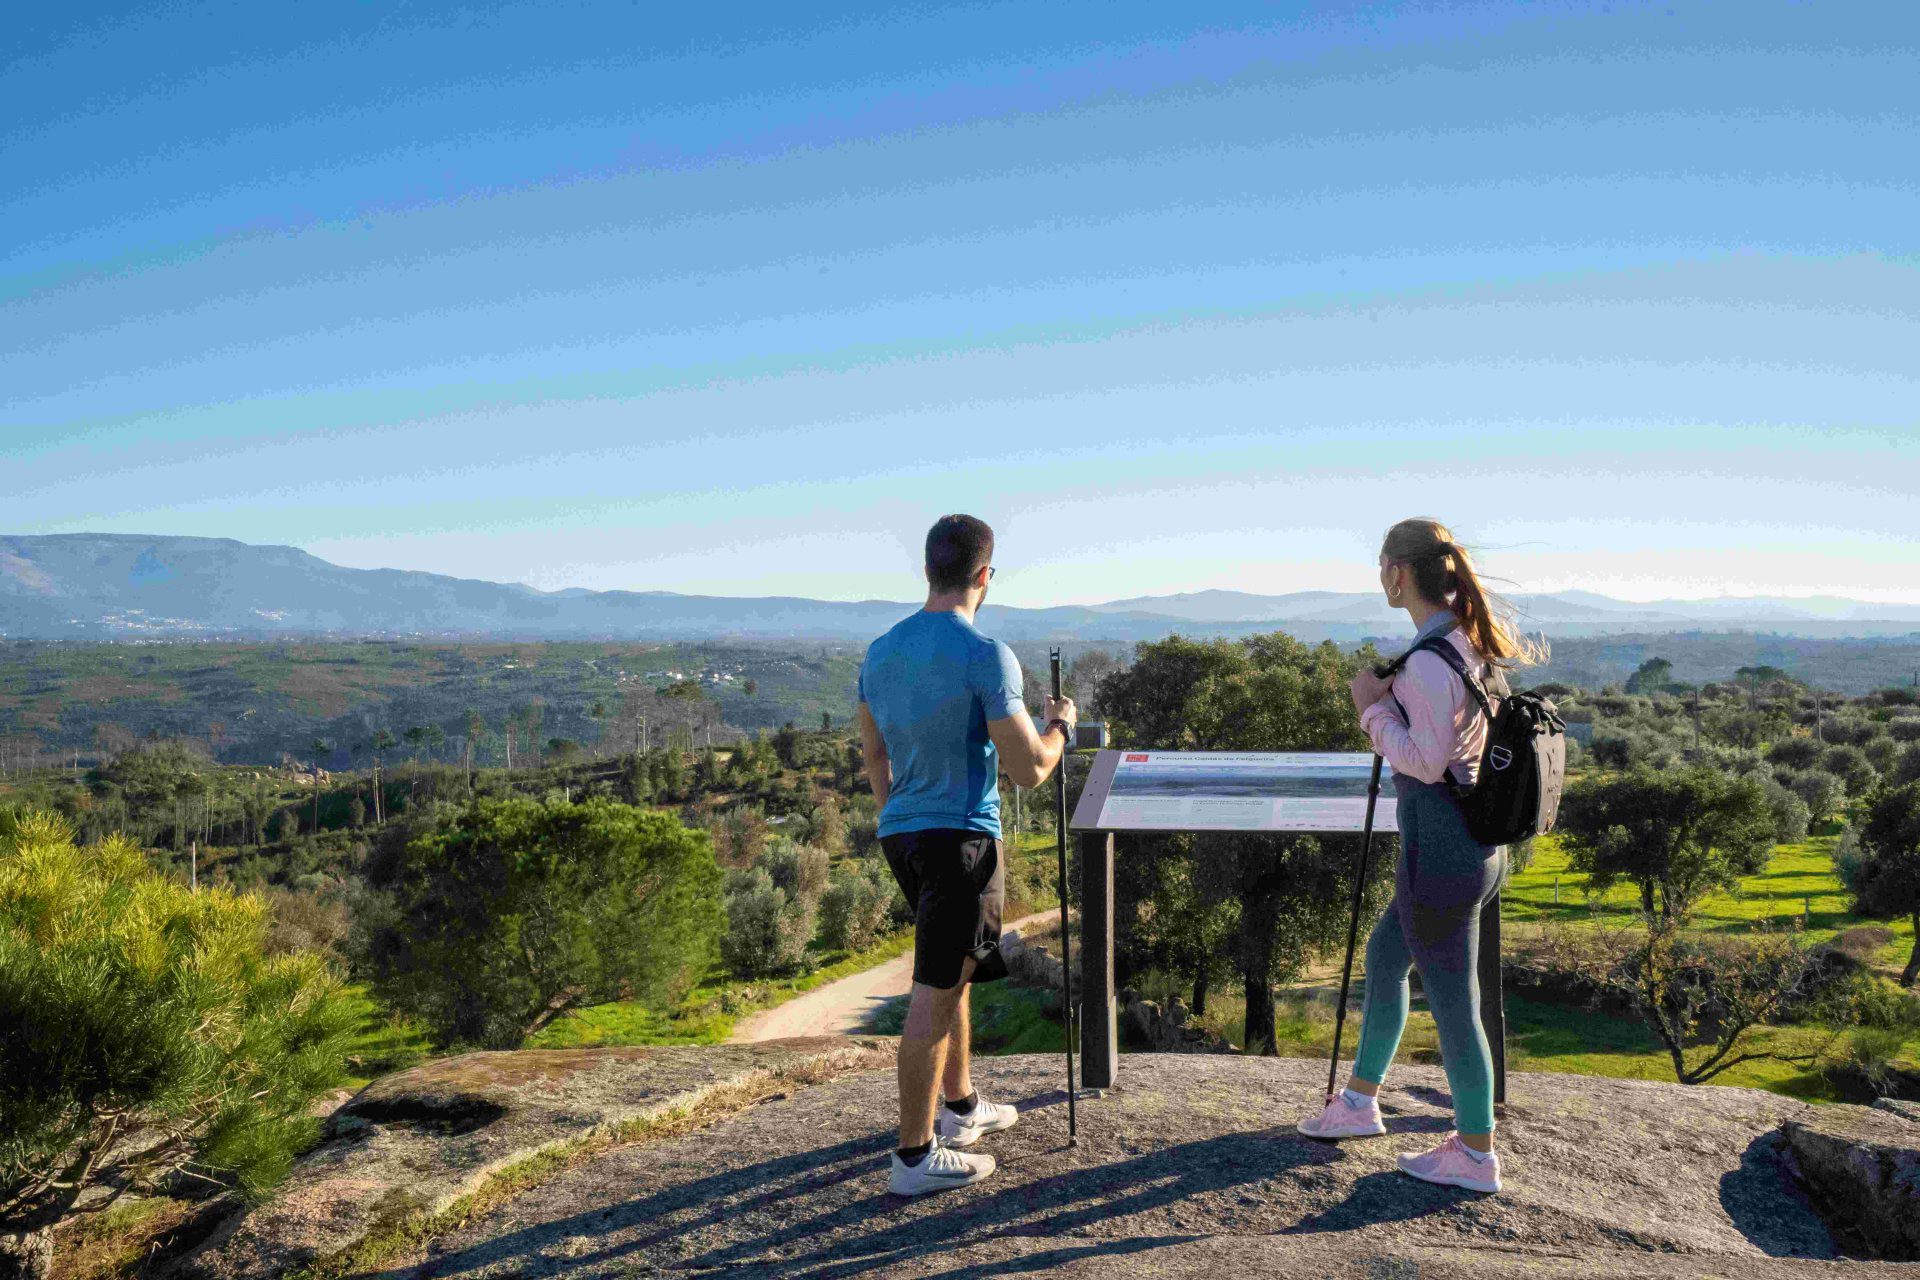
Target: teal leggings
(1442, 880)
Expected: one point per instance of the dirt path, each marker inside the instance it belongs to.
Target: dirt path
(844, 1007)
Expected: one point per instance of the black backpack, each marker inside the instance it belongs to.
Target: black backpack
(1517, 794)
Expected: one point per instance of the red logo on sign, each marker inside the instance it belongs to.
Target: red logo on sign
(1136, 759)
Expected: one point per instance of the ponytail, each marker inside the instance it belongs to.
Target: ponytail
(1443, 574)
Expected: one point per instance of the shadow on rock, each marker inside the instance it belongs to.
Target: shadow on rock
(1764, 1202)
(878, 1231)
(1381, 1197)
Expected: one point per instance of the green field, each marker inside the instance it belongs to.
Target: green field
(1799, 884)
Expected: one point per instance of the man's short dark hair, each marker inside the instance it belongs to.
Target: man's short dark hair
(957, 548)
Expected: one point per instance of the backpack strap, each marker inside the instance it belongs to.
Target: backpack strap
(1438, 643)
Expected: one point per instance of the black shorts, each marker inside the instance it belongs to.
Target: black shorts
(956, 884)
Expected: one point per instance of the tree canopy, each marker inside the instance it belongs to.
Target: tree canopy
(511, 912)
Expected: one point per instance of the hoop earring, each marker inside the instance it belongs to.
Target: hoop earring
(1393, 596)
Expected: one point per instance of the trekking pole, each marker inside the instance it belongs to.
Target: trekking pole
(1353, 927)
(1066, 939)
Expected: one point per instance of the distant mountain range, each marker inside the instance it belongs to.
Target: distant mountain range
(129, 586)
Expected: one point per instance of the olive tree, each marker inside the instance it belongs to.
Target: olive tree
(1676, 835)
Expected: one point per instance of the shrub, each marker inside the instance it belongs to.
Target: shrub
(857, 906)
(508, 913)
(740, 835)
(1791, 815)
(1822, 792)
(1795, 753)
(1862, 942)
(129, 1003)
(1849, 731)
(308, 918)
(1851, 766)
(863, 826)
(1881, 752)
(767, 929)
(1906, 766)
(799, 869)
(829, 823)
(1613, 750)
(1905, 728)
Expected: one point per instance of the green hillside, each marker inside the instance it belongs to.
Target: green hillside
(252, 703)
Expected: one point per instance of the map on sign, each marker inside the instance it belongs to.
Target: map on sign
(1232, 791)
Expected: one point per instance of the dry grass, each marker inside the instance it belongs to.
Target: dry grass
(113, 1244)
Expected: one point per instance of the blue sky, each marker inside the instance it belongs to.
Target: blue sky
(737, 299)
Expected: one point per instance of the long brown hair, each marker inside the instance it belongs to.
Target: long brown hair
(1443, 574)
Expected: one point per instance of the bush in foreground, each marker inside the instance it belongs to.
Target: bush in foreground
(132, 1007)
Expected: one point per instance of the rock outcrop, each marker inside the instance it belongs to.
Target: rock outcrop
(411, 1144)
(1188, 1166)
(1862, 1168)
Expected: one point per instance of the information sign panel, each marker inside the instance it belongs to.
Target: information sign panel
(1232, 791)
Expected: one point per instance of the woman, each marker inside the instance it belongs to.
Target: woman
(1431, 730)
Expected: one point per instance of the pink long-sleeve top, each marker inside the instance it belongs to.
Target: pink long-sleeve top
(1437, 724)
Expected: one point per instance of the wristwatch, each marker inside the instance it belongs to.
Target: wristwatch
(1066, 731)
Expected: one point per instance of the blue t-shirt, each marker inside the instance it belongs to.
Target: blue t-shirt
(931, 684)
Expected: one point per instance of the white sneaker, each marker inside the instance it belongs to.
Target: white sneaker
(956, 1130)
(941, 1169)
(1342, 1119)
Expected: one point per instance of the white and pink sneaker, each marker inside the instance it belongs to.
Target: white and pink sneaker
(1345, 1118)
(1451, 1164)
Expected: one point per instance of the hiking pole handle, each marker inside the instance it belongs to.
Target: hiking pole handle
(1066, 937)
(1353, 926)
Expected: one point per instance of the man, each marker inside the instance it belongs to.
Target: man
(940, 718)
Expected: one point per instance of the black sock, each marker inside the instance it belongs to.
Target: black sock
(911, 1156)
(965, 1106)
